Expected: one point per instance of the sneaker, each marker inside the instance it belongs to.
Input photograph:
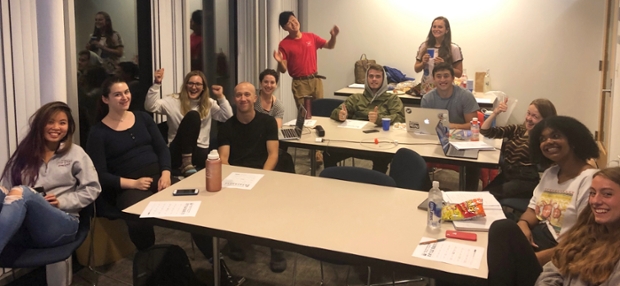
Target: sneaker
(236, 253)
(278, 262)
(188, 170)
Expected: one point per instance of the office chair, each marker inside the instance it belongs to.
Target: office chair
(15, 256)
(325, 106)
(408, 169)
(352, 174)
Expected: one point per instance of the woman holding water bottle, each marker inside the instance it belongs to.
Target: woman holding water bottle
(439, 44)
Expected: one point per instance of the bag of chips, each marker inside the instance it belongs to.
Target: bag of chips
(466, 210)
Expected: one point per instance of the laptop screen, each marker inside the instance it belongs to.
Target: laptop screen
(301, 118)
(444, 136)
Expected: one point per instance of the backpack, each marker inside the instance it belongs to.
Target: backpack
(163, 265)
(395, 75)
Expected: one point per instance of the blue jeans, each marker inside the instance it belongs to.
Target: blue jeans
(30, 221)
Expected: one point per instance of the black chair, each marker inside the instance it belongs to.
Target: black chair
(14, 256)
(325, 106)
(408, 169)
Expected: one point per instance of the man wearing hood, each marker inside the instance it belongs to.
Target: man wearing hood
(372, 105)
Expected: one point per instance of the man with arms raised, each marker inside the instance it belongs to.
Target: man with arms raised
(372, 105)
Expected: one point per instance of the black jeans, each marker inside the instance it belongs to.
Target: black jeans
(184, 141)
(141, 234)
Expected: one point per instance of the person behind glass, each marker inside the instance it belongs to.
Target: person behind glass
(87, 59)
(440, 38)
(46, 158)
(372, 105)
(195, 40)
(557, 200)
(266, 102)
(518, 176)
(583, 257)
(189, 118)
(106, 42)
(130, 155)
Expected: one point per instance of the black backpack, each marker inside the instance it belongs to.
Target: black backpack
(163, 265)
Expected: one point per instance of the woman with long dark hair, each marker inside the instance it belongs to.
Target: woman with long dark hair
(439, 38)
(106, 42)
(46, 159)
(130, 155)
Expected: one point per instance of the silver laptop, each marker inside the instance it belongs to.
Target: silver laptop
(450, 151)
(422, 120)
(294, 133)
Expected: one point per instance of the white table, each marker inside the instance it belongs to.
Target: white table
(358, 223)
(426, 145)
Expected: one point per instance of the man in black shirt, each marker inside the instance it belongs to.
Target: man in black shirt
(250, 139)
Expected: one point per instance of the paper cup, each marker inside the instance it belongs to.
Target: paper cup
(386, 124)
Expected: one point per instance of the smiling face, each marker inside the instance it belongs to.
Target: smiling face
(375, 79)
(56, 128)
(195, 86)
(119, 97)
(439, 28)
(292, 26)
(268, 85)
(604, 201)
(443, 80)
(99, 21)
(554, 145)
(532, 117)
(245, 96)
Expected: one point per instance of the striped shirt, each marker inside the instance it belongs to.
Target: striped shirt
(516, 149)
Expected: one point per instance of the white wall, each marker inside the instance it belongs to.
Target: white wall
(533, 48)
(124, 21)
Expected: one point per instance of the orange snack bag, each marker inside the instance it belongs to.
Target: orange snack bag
(466, 210)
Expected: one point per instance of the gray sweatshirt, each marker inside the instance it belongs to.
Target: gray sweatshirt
(552, 277)
(71, 177)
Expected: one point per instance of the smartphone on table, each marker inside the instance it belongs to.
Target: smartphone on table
(185, 192)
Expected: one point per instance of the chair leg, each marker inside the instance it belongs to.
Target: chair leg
(322, 280)
(193, 248)
(295, 270)
(368, 281)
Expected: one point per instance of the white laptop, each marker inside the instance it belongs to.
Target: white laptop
(450, 151)
(422, 120)
(294, 133)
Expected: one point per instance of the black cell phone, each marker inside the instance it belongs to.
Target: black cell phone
(370, 131)
(40, 190)
(185, 192)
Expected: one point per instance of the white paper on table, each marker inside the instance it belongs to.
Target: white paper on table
(171, 209)
(307, 122)
(244, 181)
(356, 85)
(464, 145)
(484, 100)
(353, 124)
(450, 252)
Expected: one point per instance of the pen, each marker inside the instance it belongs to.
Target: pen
(432, 241)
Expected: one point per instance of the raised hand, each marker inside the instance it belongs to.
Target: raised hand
(342, 115)
(372, 116)
(217, 90)
(159, 75)
(277, 55)
(502, 106)
(334, 31)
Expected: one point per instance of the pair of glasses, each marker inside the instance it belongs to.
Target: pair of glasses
(196, 84)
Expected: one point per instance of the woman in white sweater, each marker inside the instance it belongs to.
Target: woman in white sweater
(189, 118)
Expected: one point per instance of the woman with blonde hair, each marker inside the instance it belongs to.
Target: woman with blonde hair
(519, 175)
(189, 118)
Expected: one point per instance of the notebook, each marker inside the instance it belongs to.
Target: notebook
(294, 133)
(422, 120)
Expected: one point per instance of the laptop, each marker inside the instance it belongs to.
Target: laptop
(294, 133)
(422, 120)
(450, 151)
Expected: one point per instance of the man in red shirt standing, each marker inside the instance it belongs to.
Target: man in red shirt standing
(297, 54)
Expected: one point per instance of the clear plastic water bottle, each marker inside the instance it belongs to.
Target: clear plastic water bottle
(435, 204)
(475, 130)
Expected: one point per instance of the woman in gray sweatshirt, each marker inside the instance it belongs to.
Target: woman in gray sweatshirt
(66, 180)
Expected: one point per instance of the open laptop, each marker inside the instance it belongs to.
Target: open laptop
(294, 133)
(422, 120)
(450, 151)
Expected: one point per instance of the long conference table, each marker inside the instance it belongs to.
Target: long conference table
(360, 224)
(389, 142)
(484, 100)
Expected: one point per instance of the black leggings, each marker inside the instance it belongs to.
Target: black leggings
(141, 234)
(184, 141)
(510, 257)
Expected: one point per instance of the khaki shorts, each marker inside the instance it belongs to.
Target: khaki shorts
(303, 87)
